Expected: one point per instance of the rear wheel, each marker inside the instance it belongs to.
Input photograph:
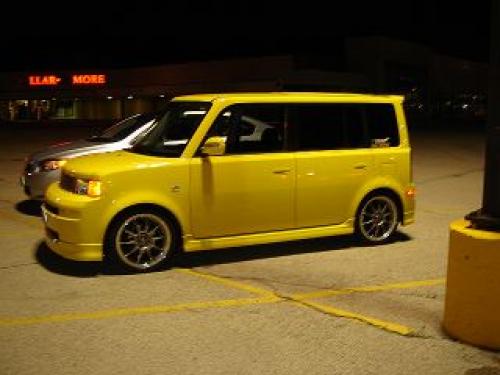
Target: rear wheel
(142, 240)
(377, 219)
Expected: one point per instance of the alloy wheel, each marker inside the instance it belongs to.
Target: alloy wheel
(378, 218)
(143, 241)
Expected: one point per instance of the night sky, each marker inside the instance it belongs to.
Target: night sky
(92, 35)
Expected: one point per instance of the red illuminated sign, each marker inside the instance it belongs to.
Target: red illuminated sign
(76, 80)
(89, 79)
(44, 80)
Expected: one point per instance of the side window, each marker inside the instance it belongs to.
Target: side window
(251, 128)
(247, 128)
(355, 133)
(328, 126)
(382, 125)
(220, 127)
(317, 126)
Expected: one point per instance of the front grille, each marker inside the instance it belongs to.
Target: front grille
(68, 182)
(51, 208)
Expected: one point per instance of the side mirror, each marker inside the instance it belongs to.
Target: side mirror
(214, 146)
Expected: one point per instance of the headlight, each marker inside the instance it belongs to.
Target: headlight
(51, 165)
(92, 188)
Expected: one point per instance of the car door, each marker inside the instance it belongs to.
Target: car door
(250, 189)
(333, 162)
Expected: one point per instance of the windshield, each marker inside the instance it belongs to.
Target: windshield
(173, 129)
(122, 129)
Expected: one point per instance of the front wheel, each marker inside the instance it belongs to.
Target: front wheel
(141, 240)
(377, 219)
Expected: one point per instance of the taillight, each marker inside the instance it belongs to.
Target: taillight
(411, 192)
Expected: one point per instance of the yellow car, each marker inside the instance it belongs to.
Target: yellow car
(226, 170)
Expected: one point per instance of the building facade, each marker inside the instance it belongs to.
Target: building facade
(115, 94)
(431, 83)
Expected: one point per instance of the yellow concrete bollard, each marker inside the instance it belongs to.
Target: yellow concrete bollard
(472, 304)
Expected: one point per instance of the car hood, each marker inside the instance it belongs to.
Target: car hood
(68, 150)
(101, 165)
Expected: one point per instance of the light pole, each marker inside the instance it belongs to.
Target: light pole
(488, 217)
(472, 306)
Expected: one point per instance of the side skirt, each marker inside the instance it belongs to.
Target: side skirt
(195, 244)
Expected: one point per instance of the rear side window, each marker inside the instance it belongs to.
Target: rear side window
(382, 125)
(354, 127)
(343, 126)
(317, 126)
(328, 126)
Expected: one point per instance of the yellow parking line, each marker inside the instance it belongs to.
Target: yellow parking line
(114, 313)
(228, 282)
(385, 325)
(299, 299)
(370, 288)
(266, 297)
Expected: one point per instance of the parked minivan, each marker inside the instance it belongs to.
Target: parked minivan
(322, 165)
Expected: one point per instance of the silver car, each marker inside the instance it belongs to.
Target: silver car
(43, 167)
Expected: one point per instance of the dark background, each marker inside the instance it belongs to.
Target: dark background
(112, 35)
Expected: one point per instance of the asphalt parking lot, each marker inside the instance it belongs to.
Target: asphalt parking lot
(324, 306)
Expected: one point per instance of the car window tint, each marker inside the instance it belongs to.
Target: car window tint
(343, 126)
(354, 126)
(382, 125)
(319, 126)
(251, 128)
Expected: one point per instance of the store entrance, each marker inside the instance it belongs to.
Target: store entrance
(32, 110)
(39, 109)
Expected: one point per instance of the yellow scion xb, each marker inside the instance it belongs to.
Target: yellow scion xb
(227, 170)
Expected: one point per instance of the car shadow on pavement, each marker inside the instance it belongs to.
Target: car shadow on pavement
(273, 250)
(57, 264)
(29, 207)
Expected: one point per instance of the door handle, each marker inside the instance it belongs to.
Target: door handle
(282, 171)
(360, 166)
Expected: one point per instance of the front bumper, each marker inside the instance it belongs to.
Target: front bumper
(72, 228)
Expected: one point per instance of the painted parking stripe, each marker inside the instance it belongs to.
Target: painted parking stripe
(145, 310)
(267, 297)
(327, 309)
(367, 289)
(228, 282)
(382, 324)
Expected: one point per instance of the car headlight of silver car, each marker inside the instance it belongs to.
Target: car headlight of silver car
(51, 164)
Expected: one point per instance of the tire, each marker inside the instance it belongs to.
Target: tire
(377, 219)
(142, 240)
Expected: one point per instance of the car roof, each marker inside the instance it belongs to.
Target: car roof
(275, 97)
